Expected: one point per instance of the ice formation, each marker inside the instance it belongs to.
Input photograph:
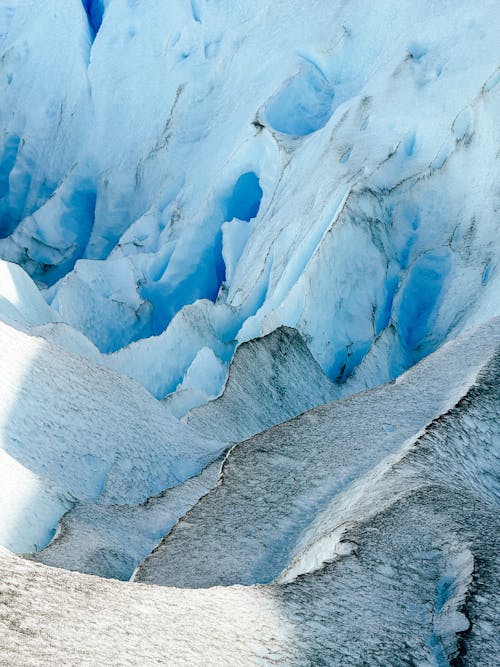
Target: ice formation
(259, 239)
(344, 163)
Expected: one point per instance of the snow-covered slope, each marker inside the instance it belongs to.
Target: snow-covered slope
(68, 424)
(274, 485)
(415, 583)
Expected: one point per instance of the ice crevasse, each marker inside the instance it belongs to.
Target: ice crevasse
(162, 200)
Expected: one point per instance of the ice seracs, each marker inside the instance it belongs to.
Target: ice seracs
(358, 162)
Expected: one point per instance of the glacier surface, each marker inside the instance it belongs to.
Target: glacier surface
(249, 332)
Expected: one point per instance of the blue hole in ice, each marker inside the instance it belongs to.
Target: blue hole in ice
(95, 12)
(486, 273)
(304, 105)
(209, 270)
(406, 220)
(445, 590)
(195, 10)
(346, 155)
(203, 282)
(220, 266)
(244, 201)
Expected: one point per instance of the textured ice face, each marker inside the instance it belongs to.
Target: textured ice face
(288, 496)
(73, 430)
(400, 567)
(334, 173)
(182, 179)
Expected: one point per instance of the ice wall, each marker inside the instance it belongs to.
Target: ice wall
(332, 170)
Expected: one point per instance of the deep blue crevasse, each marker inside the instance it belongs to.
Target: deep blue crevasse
(95, 11)
(8, 220)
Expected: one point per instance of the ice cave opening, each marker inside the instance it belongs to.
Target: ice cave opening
(244, 201)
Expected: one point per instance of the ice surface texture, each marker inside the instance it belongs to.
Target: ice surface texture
(83, 431)
(334, 172)
(270, 380)
(276, 484)
(253, 210)
(110, 540)
(414, 581)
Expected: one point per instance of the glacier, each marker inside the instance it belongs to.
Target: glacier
(247, 204)
(249, 332)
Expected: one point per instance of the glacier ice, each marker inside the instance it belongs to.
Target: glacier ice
(391, 595)
(288, 381)
(266, 232)
(128, 228)
(110, 540)
(71, 425)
